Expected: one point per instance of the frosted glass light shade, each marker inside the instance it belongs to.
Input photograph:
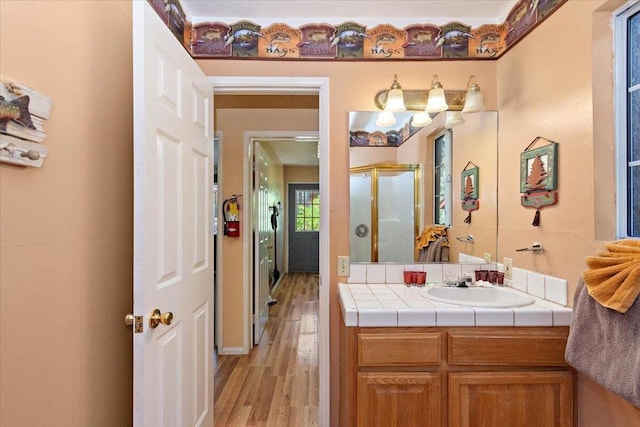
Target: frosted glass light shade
(420, 119)
(395, 97)
(385, 119)
(436, 101)
(473, 102)
(454, 118)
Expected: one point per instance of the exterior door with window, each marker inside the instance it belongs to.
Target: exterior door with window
(304, 227)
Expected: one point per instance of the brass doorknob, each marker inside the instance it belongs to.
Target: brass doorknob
(158, 317)
(128, 319)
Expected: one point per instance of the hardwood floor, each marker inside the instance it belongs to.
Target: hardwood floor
(276, 384)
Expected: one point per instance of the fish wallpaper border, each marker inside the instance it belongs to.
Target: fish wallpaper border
(349, 41)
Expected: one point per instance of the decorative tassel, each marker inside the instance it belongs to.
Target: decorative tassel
(536, 218)
(467, 220)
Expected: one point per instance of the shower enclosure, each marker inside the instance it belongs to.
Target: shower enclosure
(384, 217)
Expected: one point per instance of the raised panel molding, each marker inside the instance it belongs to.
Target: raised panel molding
(201, 392)
(201, 111)
(169, 90)
(170, 387)
(524, 399)
(201, 181)
(169, 176)
(399, 399)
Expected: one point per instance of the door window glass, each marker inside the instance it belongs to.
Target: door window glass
(307, 210)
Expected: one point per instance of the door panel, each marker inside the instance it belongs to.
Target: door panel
(202, 353)
(169, 212)
(527, 399)
(304, 247)
(201, 174)
(168, 347)
(399, 399)
(173, 164)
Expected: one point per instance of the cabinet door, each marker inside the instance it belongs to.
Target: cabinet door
(399, 399)
(524, 399)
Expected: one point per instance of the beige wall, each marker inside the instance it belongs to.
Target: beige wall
(66, 229)
(296, 174)
(543, 93)
(548, 86)
(475, 141)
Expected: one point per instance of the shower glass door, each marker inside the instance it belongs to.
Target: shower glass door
(384, 212)
(396, 216)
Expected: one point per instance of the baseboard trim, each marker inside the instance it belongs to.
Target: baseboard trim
(232, 351)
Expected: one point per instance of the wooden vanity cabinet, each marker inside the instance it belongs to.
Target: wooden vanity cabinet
(524, 399)
(399, 399)
(458, 377)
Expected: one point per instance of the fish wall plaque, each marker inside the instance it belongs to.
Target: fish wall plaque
(384, 42)
(23, 111)
(279, 41)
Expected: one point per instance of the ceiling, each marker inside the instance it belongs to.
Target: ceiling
(294, 152)
(373, 12)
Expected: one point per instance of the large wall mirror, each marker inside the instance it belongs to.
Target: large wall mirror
(407, 187)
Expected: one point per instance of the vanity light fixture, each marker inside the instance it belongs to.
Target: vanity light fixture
(473, 101)
(395, 104)
(426, 103)
(395, 98)
(436, 101)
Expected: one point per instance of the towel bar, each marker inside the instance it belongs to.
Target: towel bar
(535, 248)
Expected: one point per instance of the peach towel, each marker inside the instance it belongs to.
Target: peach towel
(613, 277)
(430, 234)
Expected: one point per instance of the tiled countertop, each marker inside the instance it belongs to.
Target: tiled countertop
(379, 305)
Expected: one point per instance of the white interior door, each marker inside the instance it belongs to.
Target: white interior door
(173, 250)
(263, 244)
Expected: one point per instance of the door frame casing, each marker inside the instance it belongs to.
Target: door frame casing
(291, 86)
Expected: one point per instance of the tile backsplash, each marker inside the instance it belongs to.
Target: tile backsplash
(540, 285)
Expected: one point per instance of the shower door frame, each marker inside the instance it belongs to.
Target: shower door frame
(374, 169)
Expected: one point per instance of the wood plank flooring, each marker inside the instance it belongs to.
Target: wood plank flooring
(276, 384)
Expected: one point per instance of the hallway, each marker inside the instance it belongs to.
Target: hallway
(277, 383)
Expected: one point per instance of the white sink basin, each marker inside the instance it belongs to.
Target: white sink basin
(478, 297)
